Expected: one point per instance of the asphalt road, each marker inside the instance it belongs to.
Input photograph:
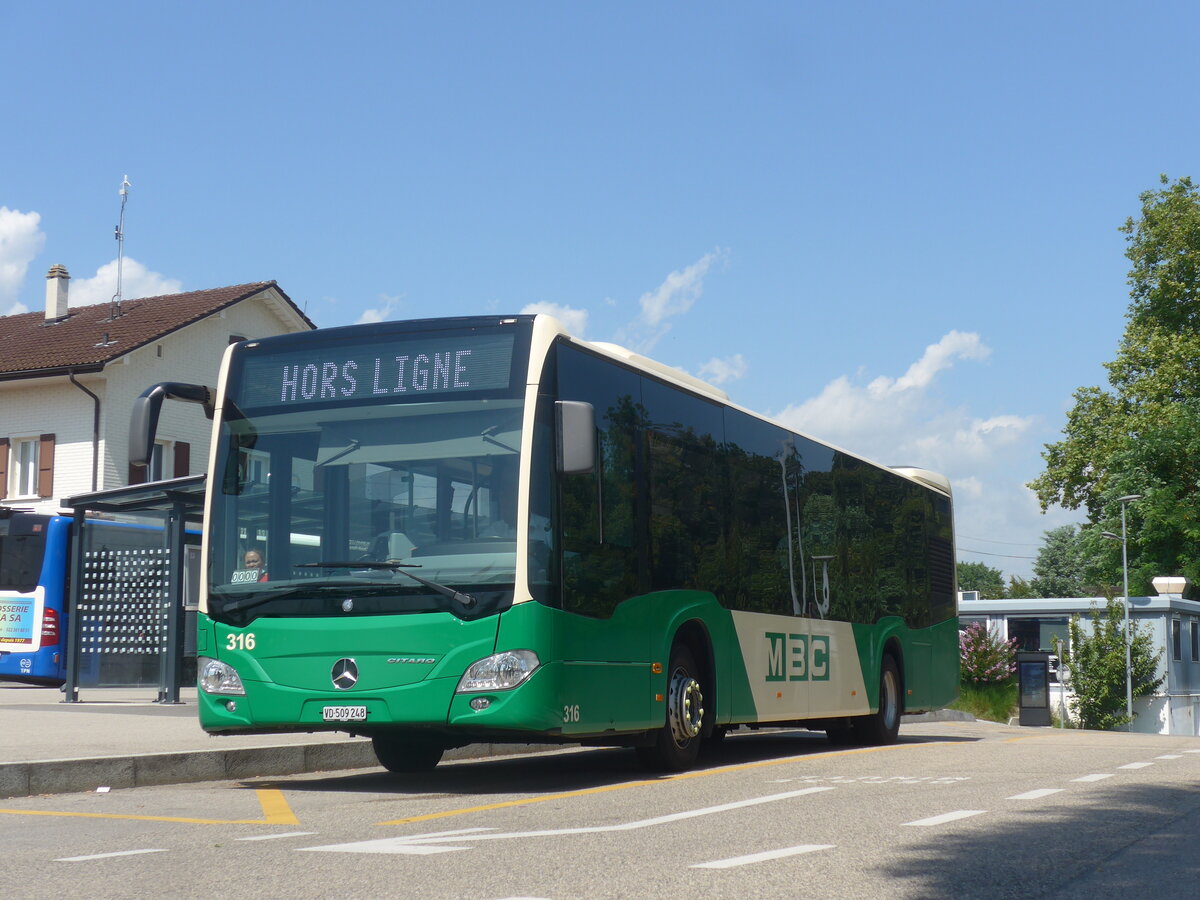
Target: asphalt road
(953, 810)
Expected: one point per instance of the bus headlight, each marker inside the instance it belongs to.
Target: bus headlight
(216, 677)
(499, 672)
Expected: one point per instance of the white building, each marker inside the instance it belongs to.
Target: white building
(1172, 622)
(68, 378)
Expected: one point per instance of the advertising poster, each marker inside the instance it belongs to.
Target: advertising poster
(20, 620)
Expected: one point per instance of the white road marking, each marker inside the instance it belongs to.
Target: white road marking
(275, 837)
(1135, 765)
(874, 779)
(436, 843)
(1191, 751)
(386, 845)
(762, 857)
(1036, 795)
(946, 817)
(1170, 756)
(1092, 778)
(108, 855)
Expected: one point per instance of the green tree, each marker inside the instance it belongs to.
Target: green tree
(974, 576)
(1020, 589)
(1096, 668)
(1060, 564)
(1140, 435)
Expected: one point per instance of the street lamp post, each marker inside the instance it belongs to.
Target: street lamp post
(1124, 501)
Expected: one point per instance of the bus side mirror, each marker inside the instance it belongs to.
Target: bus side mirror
(575, 422)
(143, 420)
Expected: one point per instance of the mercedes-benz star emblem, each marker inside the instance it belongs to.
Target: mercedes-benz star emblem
(347, 605)
(344, 674)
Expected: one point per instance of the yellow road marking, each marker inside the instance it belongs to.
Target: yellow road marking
(703, 773)
(275, 808)
(275, 812)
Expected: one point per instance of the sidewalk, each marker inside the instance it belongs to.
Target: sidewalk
(121, 737)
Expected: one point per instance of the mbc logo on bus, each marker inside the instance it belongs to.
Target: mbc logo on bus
(797, 657)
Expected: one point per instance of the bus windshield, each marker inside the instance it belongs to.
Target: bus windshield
(304, 494)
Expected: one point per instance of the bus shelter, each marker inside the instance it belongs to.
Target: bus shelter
(131, 584)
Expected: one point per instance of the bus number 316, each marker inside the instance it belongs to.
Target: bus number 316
(571, 713)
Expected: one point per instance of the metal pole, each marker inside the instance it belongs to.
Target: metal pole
(1062, 684)
(172, 658)
(74, 625)
(1128, 636)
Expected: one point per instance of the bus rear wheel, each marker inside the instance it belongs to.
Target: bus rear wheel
(882, 727)
(677, 744)
(405, 754)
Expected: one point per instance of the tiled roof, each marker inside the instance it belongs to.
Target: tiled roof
(89, 337)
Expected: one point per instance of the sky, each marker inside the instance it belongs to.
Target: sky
(892, 226)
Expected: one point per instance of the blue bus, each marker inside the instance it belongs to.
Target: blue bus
(35, 554)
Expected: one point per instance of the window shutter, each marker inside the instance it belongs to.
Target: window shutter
(46, 466)
(183, 458)
(3, 468)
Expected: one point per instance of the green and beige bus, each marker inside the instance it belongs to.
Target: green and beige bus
(447, 531)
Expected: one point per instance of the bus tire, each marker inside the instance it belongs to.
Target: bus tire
(677, 744)
(405, 754)
(882, 727)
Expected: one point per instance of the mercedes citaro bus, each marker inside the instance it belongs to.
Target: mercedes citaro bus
(486, 529)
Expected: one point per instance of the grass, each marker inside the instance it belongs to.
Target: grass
(994, 702)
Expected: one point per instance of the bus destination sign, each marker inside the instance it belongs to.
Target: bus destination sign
(396, 369)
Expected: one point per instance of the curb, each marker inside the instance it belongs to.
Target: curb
(938, 715)
(67, 776)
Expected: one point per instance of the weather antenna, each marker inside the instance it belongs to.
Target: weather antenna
(115, 310)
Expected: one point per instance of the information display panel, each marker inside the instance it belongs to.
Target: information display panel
(393, 369)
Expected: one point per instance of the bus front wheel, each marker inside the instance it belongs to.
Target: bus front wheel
(677, 744)
(405, 754)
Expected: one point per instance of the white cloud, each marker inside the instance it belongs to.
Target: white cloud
(903, 420)
(575, 320)
(136, 281)
(20, 241)
(967, 487)
(674, 297)
(381, 313)
(884, 413)
(939, 356)
(719, 371)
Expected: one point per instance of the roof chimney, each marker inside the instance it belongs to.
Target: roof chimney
(56, 293)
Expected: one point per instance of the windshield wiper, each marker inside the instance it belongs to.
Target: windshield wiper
(465, 599)
(258, 599)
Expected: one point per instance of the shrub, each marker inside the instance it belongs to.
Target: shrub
(1096, 668)
(986, 659)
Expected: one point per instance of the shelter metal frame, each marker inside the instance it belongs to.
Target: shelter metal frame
(175, 498)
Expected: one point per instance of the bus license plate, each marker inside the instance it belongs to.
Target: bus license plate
(344, 713)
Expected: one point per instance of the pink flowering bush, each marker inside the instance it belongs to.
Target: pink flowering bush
(985, 658)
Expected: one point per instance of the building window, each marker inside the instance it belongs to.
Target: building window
(1195, 641)
(1176, 639)
(25, 467)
